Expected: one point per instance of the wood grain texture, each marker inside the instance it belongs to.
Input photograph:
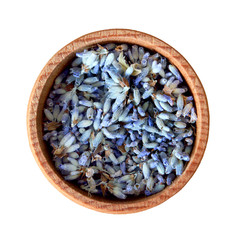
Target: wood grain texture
(43, 85)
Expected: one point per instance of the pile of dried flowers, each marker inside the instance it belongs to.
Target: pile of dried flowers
(120, 121)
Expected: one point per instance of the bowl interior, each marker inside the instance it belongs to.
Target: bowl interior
(45, 149)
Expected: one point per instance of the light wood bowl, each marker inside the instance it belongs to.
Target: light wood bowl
(40, 92)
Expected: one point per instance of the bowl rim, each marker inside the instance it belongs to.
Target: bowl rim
(194, 83)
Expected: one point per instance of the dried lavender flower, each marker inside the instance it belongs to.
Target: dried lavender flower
(120, 121)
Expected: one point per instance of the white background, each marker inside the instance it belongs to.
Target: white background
(206, 33)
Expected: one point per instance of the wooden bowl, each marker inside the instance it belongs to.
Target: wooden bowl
(41, 90)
